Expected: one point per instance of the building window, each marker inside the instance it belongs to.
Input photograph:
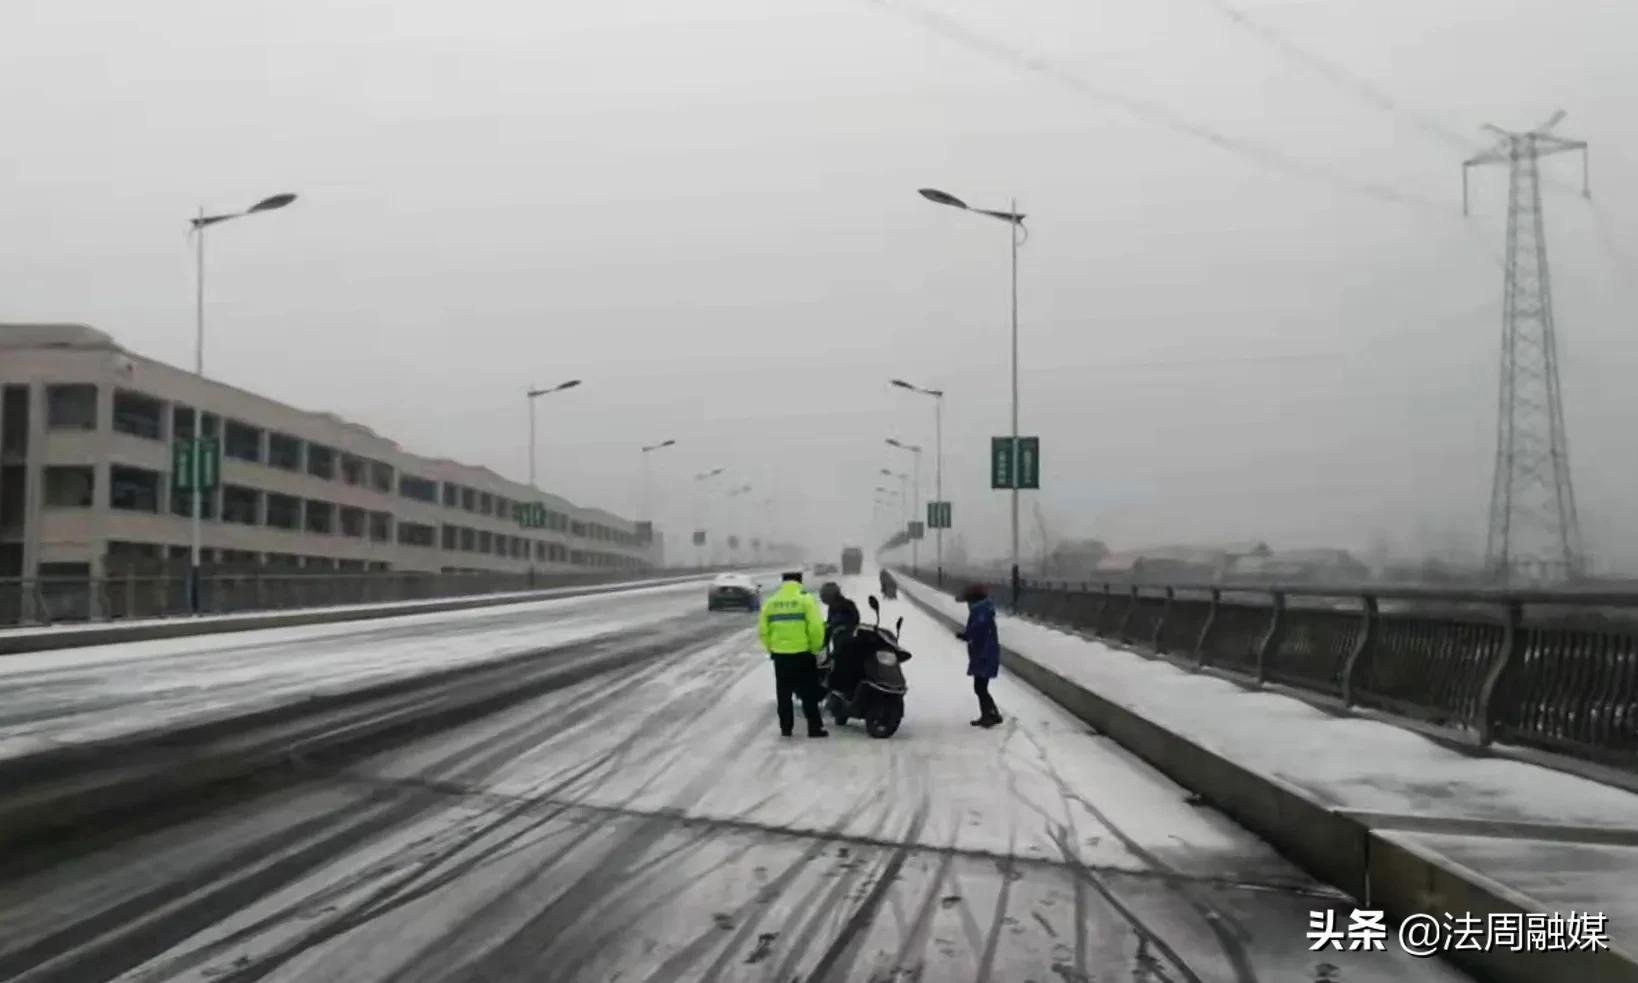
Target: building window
(416, 534)
(469, 500)
(540, 551)
(239, 559)
(452, 495)
(182, 423)
(485, 541)
(577, 529)
(418, 489)
(503, 508)
(283, 511)
(380, 476)
(283, 452)
(321, 462)
(70, 407)
(352, 522)
(133, 489)
(70, 487)
(450, 537)
(469, 539)
(242, 442)
(351, 566)
(500, 545)
(242, 505)
(520, 548)
(381, 527)
(14, 421)
(137, 415)
(319, 563)
(320, 518)
(352, 470)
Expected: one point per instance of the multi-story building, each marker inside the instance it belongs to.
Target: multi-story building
(87, 432)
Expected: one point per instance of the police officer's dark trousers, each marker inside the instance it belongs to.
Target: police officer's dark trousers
(797, 673)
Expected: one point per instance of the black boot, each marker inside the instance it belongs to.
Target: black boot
(817, 730)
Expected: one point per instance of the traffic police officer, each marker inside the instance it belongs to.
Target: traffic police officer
(793, 632)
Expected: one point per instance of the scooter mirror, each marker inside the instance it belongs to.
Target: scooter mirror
(898, 628)
(875, 605)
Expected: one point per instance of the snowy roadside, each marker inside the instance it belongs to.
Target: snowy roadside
(1352, 763)
(102, 692)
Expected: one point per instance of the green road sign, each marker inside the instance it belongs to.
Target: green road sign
(1000, 462)
(1021, 463)
(197, 461)
(733, 542)
(699, 537)
(938, 515)
(1029, 462)
(916, 530)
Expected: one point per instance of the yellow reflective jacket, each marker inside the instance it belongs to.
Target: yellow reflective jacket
(790, 623)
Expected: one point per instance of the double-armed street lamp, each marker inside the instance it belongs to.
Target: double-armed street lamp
(195, 458)
(533, 395)
(700, 509)
(915, 499)
(1018, 235)
(938, 464)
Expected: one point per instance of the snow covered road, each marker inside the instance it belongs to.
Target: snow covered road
(653, 826)
(107, 691)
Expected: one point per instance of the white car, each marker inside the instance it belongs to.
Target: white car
(733, 590)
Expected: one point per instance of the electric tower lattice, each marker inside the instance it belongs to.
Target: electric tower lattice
(1534, 535)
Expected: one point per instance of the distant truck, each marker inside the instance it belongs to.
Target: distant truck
(852, 561)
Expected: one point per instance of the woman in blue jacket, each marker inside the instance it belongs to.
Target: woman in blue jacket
(983, 651)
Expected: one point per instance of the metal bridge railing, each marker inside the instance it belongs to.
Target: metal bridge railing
(54, 600)
(1554, 669)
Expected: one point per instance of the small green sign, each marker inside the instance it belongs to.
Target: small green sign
(1029, 462)
(196, 461)
(1001, 462)
(699, 537)
(917, 530)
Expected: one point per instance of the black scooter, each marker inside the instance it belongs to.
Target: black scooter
(890, 586)
(877, 696)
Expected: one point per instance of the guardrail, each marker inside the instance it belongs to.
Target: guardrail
(53, 600)
(1553, 669)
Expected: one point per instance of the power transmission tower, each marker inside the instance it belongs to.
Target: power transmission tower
(1534, 537)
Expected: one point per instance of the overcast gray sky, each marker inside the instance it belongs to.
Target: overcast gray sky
(707, 210)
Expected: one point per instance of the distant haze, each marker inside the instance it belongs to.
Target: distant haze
(708, 212)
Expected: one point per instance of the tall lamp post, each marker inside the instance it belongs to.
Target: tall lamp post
(535, 394)
(199, 225)
(915, 500)
(699, 510)
(735, 493)
(938, 464)
(1015, 221)
(644, 504)
(892, 506)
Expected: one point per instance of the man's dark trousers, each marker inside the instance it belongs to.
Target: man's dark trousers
(797, 673)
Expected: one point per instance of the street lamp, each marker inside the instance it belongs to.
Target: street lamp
(199, 224)
(1019, 235)
(938, 464)
(699, 508)
(535, 394)
(915, 500)
(647, 450)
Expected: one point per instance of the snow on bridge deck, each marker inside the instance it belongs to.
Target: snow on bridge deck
(651, 825)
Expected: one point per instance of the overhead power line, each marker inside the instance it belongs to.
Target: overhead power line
(1337, 74)
(1267, 156)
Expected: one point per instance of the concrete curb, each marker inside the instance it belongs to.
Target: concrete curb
(1331, 844)
(115, 633)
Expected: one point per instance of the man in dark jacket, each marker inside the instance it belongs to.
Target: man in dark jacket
(983, 651)
(841, 617)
